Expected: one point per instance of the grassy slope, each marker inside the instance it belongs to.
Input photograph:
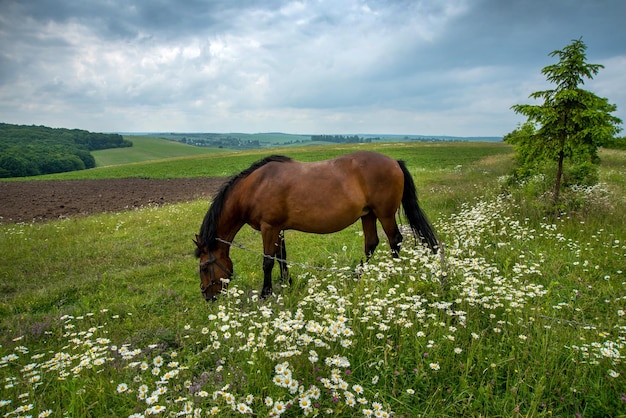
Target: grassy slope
(146, 149)
(428, 157)
(130, 278)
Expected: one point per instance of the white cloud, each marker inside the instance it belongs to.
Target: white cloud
(423, 67)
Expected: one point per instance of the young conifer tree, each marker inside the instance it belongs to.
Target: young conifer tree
(572, 123)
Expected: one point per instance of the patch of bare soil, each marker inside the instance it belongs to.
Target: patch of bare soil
(47, 200)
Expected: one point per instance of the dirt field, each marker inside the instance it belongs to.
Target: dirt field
(46, 200)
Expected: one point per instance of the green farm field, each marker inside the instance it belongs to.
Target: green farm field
(524, 313)
(429, 157)
(147, 148)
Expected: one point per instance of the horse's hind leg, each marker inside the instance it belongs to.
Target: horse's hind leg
(368, 222)
(393, 234)
(282, 258)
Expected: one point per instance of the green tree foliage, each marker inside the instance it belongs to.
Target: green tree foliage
(571, 124)
(616, 143)
(34, 150)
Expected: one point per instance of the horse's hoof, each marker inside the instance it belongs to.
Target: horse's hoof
(265, 293)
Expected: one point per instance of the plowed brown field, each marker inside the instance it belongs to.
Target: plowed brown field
(46, 200)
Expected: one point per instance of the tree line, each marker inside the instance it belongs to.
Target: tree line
(35, 150)
(341, 139)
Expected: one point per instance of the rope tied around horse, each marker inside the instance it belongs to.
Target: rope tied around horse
(276, 258)
(308, 266)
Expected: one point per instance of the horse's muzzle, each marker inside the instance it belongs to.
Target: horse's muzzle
(210, 298)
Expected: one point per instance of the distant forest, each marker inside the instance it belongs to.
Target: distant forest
(273, 139)
(34, 150)
(341, 139)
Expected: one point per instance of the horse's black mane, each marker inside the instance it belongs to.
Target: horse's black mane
(208, 230)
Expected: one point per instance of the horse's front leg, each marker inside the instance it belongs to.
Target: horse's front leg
(268, 265)
(270, 248)
(282, 258)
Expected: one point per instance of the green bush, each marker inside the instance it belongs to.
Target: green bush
(582, 174)
(616, 143)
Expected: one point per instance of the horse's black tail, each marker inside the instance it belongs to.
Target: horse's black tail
(417, 219)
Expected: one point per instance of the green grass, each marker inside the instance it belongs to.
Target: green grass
(523, 316)
(147, 149)
(424, 157)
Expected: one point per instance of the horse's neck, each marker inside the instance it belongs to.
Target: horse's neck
(231, 219)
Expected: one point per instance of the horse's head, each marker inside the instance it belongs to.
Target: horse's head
(216, 269)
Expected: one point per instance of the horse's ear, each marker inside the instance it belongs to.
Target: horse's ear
(199, 247)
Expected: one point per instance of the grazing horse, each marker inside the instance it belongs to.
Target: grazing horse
(278, 193)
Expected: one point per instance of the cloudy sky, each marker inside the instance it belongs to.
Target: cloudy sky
(430, 67)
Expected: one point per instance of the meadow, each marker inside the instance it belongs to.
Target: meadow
(522, 314)
(146, 148)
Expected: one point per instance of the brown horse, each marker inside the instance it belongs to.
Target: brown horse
(278, 193)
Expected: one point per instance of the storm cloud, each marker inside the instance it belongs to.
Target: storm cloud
(429, 67)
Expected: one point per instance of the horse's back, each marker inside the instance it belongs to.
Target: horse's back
(375, 167)
(324, 196)
(361, 172)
